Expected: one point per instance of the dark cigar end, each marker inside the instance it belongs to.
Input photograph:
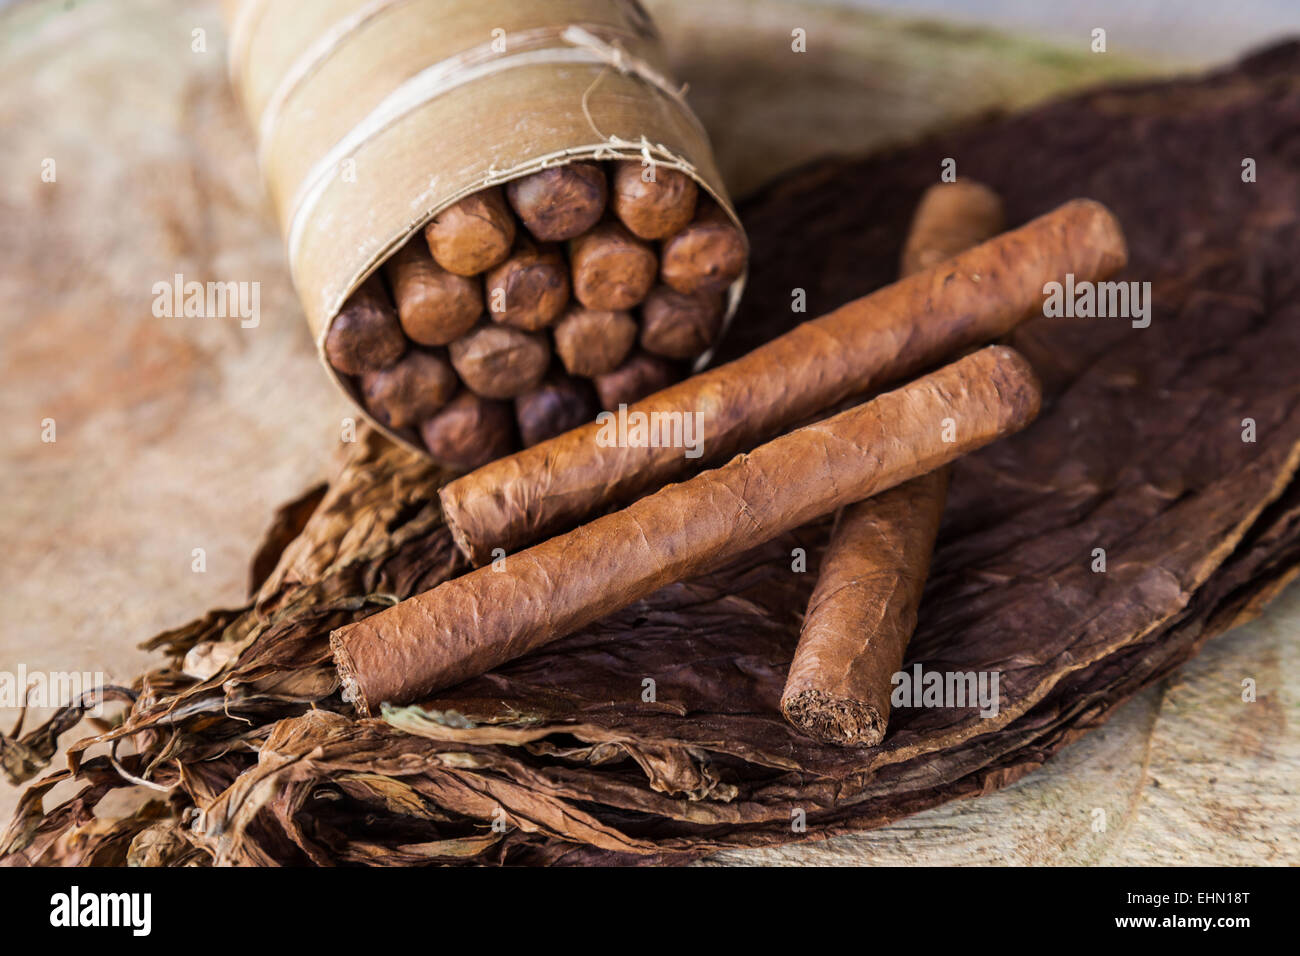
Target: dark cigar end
(561, 202)
(365, 336)
(411, 390)
(498, 361)
(559, 404)
(612, 269)
(706, 256)
(680, 325)
(469, 431)
(434, 306)
(834, 720)
(530, 289)
(592, 342)
(641, 375)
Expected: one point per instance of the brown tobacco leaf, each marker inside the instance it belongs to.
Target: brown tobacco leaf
(557, 758)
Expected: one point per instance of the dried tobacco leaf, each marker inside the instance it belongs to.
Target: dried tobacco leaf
(1139, 450)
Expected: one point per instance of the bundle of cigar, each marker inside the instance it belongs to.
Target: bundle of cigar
(864, 607)
(521, 311)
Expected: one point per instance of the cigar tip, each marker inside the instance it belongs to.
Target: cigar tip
(1108, 235)
(352, 692)
(1017, 382)
(833, 719)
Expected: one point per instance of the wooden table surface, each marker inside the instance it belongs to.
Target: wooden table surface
(177, 434)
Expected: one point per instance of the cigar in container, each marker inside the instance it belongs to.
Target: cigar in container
(561, 202)
(497, 361)
(680, 325)
(409, 391)
(434, 306)
(612, 269)
(469, 431)
(365, 335)
(471, 624)
(653, 201)
(641, 375)
(530, 289)
(864, 607)
(559, 404)
(881, 338)
(591, 342)
(706, 256)
(472, 235)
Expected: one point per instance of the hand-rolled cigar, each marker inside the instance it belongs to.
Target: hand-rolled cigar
(434, 306)
(471, 624)
(612, 269)
(680, 325)
(469, 431)
(592, 342)
(863, 345)
(411, 390)
(707, 256)
(863, 610)
(530, 289)
(560, 202)
(557, 405)
(473, 235)
(641, 375)
(496, 361)
(365, 335)
(652, 208)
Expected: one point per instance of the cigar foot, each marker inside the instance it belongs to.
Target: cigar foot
(835, 720)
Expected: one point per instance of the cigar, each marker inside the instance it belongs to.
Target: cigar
(641, 375)
(654, 208)
(473, 235)
(680, 325)
(365, 335)
(612, 269)
(864, 345)
(591, 342)
(557, 405)
(706, 256)
(863, 610)
(434, 306)
(471, 624)
(409, 391)
(497, 361)
(530, 289)
(561, 202)
(469, 431)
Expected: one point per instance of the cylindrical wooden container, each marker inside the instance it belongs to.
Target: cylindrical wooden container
(374, 116)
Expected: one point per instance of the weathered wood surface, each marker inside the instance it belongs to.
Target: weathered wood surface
(177, 434)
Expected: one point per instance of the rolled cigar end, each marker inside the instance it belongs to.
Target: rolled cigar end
(591, 342)
(834, 719)
(496, 361)
(473, 235)
(557, 405)
(612, 269)
(530, 289)
(950, 218)
(434, 306)
(707, 256)
(641, 375)
(680, 325)
(652, 208)
(469, 431)
(561, 202)
(411, 390)
(365, 336)
(474, 623)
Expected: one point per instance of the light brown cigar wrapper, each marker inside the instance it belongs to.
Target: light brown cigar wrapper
(476, 622)
(374, 117)
(473, 235)
(863, 611)
(591, 343)
(434, 306)
(896, 331)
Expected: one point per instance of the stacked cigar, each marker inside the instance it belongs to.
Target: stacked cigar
(519, 312)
